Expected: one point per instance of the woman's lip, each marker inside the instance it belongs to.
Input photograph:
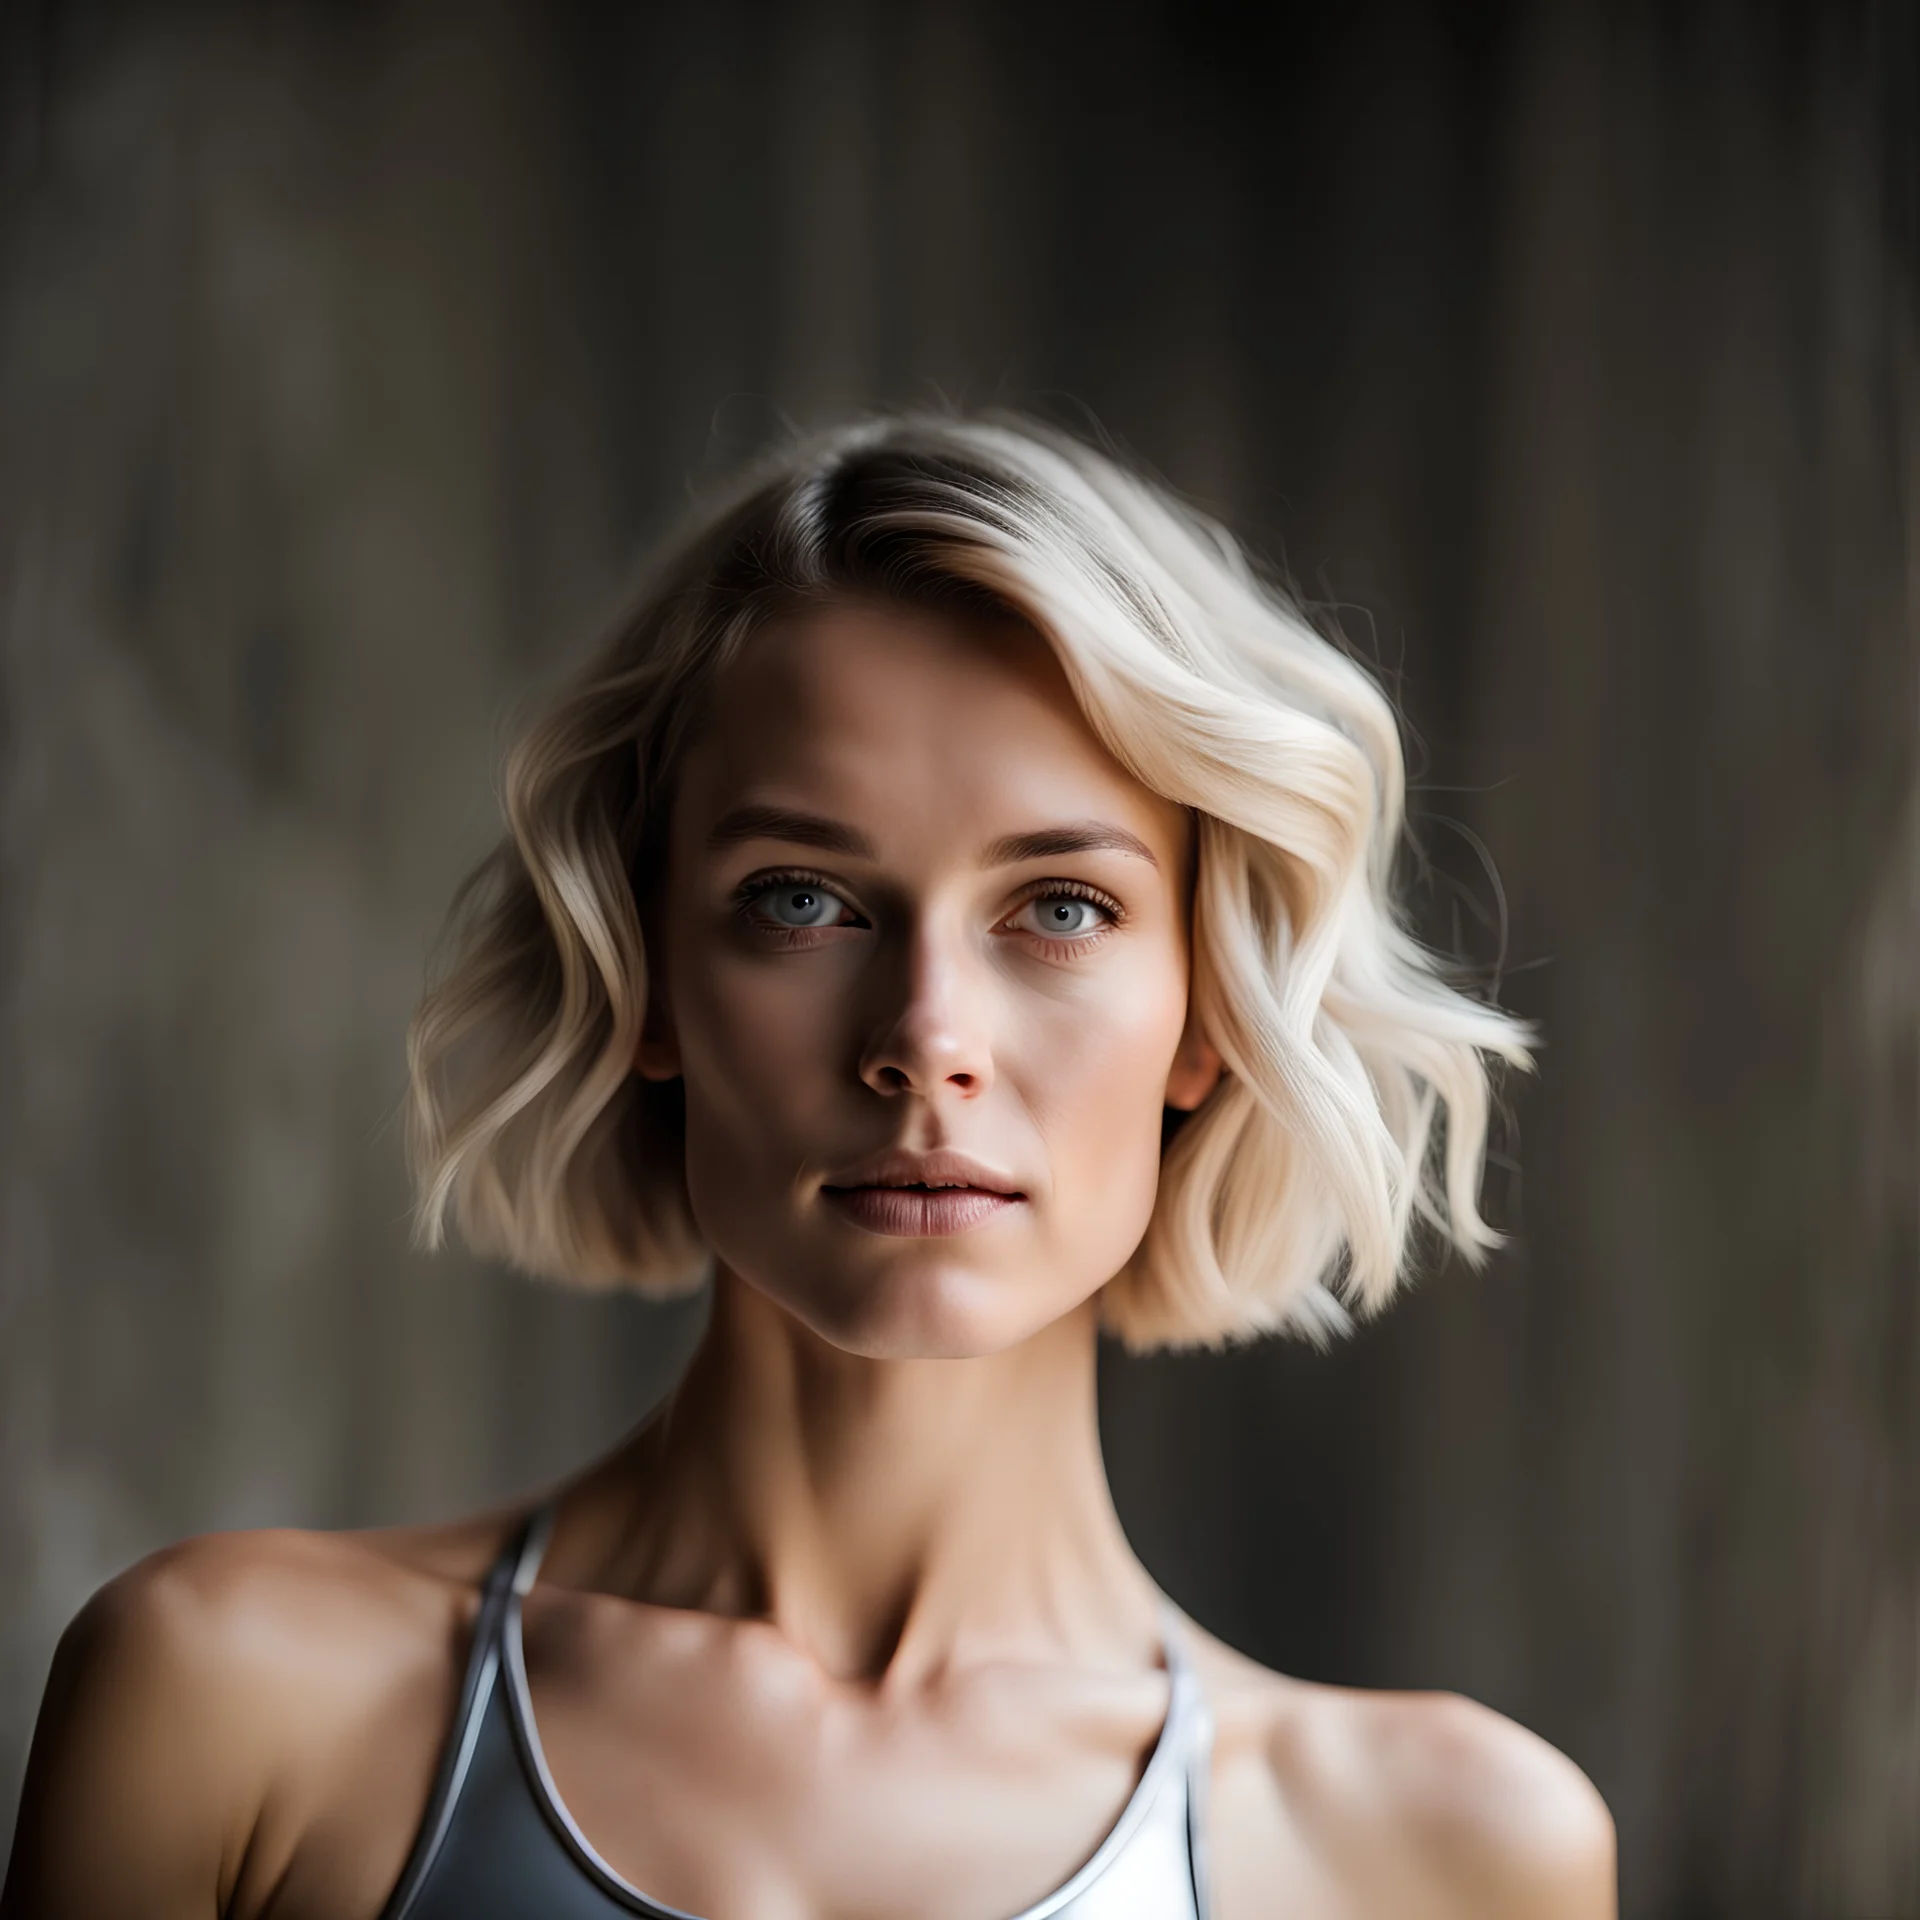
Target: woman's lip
(916, 1213)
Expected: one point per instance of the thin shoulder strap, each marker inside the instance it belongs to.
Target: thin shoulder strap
(1197, 1724)
(520, 1553)
(528, 1548)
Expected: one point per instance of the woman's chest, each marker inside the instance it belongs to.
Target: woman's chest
(580, 1780)
(709, 1766)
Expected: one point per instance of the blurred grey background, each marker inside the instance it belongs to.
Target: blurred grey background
(350, 358)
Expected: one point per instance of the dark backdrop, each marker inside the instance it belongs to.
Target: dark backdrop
(350, 356)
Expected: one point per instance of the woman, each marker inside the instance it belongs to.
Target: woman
(954, 913)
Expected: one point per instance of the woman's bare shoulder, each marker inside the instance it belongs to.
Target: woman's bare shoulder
(282, 1602)
(221, 1672)
(1429, 1802)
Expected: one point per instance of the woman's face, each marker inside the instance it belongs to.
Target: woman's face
(921, 959)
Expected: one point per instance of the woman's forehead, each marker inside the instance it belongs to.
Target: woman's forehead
(865, 654)
(877, 711)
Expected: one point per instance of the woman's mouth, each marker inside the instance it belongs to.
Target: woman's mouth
(918, 1212)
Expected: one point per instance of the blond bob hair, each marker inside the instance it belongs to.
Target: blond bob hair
(1354, 1106)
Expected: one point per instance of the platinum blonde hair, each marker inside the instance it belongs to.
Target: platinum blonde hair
(1355, 1104)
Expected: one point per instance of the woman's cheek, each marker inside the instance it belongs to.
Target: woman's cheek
(760, 1020)
(1098, 1091)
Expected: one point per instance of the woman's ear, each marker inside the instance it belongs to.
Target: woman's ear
(657, 1057)
(1197, 1067)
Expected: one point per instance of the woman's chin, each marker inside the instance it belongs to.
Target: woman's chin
(924, 1310)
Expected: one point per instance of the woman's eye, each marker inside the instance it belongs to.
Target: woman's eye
(799, 904)
(1062, 916)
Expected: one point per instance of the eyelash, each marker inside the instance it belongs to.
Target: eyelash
(1072, 890)
(750, 890)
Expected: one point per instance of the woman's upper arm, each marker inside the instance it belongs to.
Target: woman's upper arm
(146, 1766)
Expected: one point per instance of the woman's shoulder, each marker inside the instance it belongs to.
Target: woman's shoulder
(1431, 1802)
(233, 1673)
(283, 1601)
(285, 1627)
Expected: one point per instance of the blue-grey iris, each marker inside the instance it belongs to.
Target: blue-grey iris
(802, 906)
(1067, 915)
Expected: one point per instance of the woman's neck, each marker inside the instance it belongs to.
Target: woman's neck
(889, 1516)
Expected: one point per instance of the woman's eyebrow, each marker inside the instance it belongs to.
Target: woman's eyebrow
(744, 823)
(784, 823)
(1082, 836)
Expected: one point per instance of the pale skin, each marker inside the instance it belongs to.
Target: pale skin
(853, 1629)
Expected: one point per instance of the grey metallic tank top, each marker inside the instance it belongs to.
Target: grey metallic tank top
(498, 1843)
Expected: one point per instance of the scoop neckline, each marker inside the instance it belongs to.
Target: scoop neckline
(560, 1816)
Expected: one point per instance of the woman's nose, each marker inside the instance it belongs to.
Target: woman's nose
(930, 1036)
